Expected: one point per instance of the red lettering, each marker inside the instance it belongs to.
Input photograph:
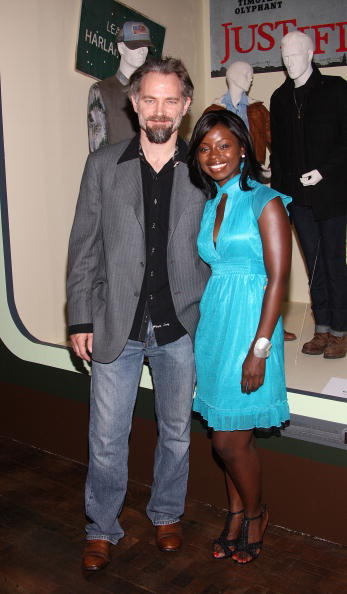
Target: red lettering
(304, 28)
(267, 41)
(237, 39)
(266, 36)
(319, 37)
(227, 42)
(342, 36)
(285, 25)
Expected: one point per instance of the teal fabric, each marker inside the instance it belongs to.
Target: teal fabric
(230, 311)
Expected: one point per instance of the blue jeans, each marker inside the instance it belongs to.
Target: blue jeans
(113, 395)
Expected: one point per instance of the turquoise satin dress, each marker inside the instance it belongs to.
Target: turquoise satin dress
(230, 311)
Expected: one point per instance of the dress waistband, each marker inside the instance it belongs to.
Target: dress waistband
(239, 266)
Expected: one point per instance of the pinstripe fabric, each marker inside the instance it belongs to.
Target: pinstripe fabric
(107, 250)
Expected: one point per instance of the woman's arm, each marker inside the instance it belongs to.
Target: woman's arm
(277, 248)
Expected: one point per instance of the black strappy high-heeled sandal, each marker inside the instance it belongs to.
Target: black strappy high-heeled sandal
(225, 542)
(252, 549)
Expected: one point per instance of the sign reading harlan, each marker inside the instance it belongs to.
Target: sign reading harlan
(251, 31)
(101, 20)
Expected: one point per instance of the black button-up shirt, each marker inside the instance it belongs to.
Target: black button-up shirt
(155, 302)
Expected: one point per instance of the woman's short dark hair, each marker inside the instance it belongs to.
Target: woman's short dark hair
(162, 66)
(251, 168)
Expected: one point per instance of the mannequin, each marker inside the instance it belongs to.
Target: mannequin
(308, 162)
(239, 76)
(110, 115)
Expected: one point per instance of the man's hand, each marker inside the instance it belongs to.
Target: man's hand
(82, 344)
(311, 178)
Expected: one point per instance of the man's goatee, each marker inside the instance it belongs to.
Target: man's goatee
(159, 134)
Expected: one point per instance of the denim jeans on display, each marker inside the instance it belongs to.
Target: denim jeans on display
(113, 394)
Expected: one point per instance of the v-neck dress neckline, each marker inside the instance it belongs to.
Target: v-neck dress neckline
(221, 190)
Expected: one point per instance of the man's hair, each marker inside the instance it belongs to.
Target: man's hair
(162, 66)
(304, 40)
(251, 168)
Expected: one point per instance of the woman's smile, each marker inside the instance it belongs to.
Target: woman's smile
(217, 166)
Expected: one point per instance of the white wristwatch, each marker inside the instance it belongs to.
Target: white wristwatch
(262, 348)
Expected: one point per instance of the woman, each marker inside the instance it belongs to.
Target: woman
(245, 237)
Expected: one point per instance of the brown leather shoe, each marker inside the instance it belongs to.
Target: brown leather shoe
(169, 537)
(336, 348)
(96, 555)
(317, 344)
(289, 335)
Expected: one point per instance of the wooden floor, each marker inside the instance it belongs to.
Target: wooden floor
(41, 527)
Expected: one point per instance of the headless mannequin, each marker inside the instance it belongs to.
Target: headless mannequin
(297, 54)
(308, 127)
(239, 78)
(110, 116)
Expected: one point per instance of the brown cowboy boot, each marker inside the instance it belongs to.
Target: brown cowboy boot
(96, 555)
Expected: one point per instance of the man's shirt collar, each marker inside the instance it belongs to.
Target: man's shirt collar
(134, 151)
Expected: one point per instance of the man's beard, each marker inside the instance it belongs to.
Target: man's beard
(161, 134)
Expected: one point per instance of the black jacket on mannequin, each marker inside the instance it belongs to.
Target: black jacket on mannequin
(311, 132)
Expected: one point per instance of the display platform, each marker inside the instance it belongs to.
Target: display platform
(317, 387)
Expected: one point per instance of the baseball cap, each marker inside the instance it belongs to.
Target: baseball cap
(135, 35)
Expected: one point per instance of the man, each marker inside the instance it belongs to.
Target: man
(308, 162)
(134, 285)
(110, 115)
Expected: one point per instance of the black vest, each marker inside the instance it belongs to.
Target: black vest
(121, 119)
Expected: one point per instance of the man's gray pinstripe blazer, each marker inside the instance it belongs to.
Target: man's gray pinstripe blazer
(107, 250)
